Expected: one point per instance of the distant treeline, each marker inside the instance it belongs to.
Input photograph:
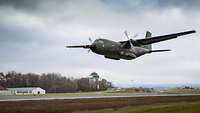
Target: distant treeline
(52, 82)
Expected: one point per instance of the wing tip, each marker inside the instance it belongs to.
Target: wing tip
(79, 46)
(68, 46)
(161, 50)
(193, 31)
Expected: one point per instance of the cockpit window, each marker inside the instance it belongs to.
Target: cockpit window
(101, 41)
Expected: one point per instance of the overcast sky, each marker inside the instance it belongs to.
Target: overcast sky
(33, 34)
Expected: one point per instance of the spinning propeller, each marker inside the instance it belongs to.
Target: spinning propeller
(129, 39)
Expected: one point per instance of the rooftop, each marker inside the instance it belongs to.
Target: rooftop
(24, 88)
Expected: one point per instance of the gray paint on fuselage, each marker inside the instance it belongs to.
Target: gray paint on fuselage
(115, 50)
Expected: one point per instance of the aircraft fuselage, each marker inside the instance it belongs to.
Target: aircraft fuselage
(114, 50)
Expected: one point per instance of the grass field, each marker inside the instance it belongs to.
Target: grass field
(99, 93)
(149, 104)
(178, 107)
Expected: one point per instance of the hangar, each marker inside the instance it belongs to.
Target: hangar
(27, 90)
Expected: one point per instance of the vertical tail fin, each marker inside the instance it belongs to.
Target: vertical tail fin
(148, 35)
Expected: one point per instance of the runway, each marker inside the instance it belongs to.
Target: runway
(63, 97)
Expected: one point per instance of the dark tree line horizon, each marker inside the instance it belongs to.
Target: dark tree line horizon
(52, 82)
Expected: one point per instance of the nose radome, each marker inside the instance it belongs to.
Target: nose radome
(93, 46)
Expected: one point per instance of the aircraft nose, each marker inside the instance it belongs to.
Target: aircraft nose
(93, 47)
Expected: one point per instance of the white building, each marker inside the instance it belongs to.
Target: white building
(27, 90)
(4, 91)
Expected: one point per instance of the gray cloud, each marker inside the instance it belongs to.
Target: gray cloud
(21, 4)
(142, 5)
(33, 35)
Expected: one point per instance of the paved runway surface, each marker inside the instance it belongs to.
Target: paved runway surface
(47, 97)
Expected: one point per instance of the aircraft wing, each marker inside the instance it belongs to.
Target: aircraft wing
(156, 39)
(79, 46)
(162, 38)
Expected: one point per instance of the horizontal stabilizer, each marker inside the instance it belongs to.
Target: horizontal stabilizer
(163, 50)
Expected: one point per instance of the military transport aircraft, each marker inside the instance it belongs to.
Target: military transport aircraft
(129, 49)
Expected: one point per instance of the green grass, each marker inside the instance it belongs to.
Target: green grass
(179, 107)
